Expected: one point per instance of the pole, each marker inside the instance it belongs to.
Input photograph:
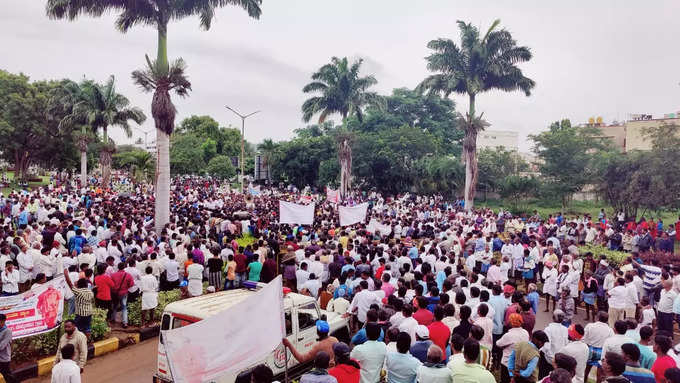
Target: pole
(243, 134)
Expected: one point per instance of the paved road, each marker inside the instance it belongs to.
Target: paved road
(138, 363)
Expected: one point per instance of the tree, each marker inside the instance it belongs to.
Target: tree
(99, 107)
(517, 188)
(480, 64)
(139, 163)
(496, 164)
(345, 92)
(267, 149)
(220, 167)
(568, 157)
(160, 77)
(186, 154)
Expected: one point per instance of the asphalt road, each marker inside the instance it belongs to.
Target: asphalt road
(138, 363)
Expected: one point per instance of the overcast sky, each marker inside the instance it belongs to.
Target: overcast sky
(591, 58)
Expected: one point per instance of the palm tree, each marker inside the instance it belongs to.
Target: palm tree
(342, 91)
(479, 64)
(99, 107)
(160, 76)
(267, 147)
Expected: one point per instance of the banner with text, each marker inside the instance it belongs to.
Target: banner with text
(350, 215)
(208, 350)
(35, 311)
(292, 213)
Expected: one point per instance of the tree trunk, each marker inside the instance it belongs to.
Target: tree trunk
(83, 168)
(105, 157)
(470, 155)
(345, 157)
(162, 213)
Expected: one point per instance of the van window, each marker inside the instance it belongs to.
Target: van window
(289, 324)
(177, 323)
(165, 323)
(307, 316)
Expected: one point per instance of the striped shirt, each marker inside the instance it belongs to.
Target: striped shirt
(651, 277)
(637, 374)
(84, 298)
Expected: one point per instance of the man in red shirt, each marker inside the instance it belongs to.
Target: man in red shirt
(439, 332)
(122, 281)
(241, 267)
(423, 316)
(663, 361)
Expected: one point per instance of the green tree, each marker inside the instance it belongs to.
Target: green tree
(186, 154)
(139, 163)
(267, 149)
(160, 77)
(99, 106)
(495, 164)
(568, 157)
(342, 90)
(518, 188)
(220, 167)
(479, 64)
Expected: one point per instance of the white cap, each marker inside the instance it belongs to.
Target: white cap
(422, 332)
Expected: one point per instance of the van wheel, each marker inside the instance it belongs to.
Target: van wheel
(342, 335)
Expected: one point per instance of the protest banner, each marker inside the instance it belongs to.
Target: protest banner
(292, 213)
(207, 350)
(350, 215)
(374, 225)
(332, 195)
(35, 311)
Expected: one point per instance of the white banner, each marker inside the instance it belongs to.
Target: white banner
(354, 214)
(293, 213)
(332, 195)
(230, 341)
(35, 311)
(374, 226)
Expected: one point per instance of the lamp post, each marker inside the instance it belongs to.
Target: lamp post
(243, 133)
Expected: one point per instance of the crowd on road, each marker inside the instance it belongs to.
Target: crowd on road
(437, 293)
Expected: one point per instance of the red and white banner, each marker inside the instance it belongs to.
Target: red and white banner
(332, 195)
(35, 311)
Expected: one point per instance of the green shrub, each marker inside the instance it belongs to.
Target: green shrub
(246, 240)
(615, 258)
(164, 298)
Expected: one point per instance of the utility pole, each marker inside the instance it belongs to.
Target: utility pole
(243, 133)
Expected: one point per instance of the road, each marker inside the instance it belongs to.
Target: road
(138, 363)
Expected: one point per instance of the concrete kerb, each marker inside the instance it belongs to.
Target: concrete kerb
(44, 366)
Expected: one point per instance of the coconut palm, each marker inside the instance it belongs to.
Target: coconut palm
(267, 148)
(99, 106)
(345, 92)
(160, 76)
(479, 64)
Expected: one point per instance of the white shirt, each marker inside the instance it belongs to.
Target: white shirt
(618, 297)
(362, 302)
(171, 270)
(10, 281)
(434, 374)
(557, 339)
(88, 258)
(25, 267)
(136, 277)
(614, 343)
(666, 301)
(596, 333)
(579, 351)
(66, 371)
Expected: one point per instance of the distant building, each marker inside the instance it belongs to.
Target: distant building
(492, 139)
(632, 134)
(149, 147)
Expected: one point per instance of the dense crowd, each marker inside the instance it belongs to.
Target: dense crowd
(437, 293)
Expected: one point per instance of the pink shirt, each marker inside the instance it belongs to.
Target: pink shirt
(487, 324)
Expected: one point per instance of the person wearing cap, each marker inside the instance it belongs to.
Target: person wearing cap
(578, 350)
(422, 343)
(401, 366)
(346, 370)
(507, 342)
(370, 355)
(324, 343)
(433, 370)
(319, 374)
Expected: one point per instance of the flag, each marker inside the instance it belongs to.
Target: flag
(332, 195)
(254, 190)
(293, 213)
(354, 214)
(208, 350)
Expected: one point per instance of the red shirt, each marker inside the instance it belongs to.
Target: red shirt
(439, 335)
(677, 231)
(423, 317)
(661, 365)
(241, 261)
(104, 286)
(122, 281)
(345, 373)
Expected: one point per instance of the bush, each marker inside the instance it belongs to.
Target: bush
(164, 298)
(661, 257)
(246, 240)
(615, 258)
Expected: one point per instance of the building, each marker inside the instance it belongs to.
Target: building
(492, 139)
(632, 134)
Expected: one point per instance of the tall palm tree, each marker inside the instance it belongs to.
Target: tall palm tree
(267, 147)
(160, 76)
(479, 64)
(345, 92)
(99, 106)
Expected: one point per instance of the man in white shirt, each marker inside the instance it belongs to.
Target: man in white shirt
(614, 343)
(67, 370)
(596, 334)
(25, 261)
(618, 299)
(301, 275)
(362, 302)
(557, 336)
(171, 271)
(10, 280)
(195, 277)
(312, 285)
(578, 350)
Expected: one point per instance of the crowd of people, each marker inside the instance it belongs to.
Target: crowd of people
(438, 293)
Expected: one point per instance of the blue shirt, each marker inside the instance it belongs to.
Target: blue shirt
(499, 304)
(638, 374)
(419, 350)
(526, 372)
(647, 356)
(360, 337)
(401, 368)
(532, 297)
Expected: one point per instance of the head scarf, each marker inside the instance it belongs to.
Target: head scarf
(515, 320)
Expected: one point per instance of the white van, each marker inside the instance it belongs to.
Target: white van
(301, 313)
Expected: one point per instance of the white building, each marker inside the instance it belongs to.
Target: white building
(492, 139)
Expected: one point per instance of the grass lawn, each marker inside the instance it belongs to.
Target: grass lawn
(31, 185)
(545, 208)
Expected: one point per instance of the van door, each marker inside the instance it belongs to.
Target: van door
(305, 334)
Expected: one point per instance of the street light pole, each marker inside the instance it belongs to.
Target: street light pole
(243, 133)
